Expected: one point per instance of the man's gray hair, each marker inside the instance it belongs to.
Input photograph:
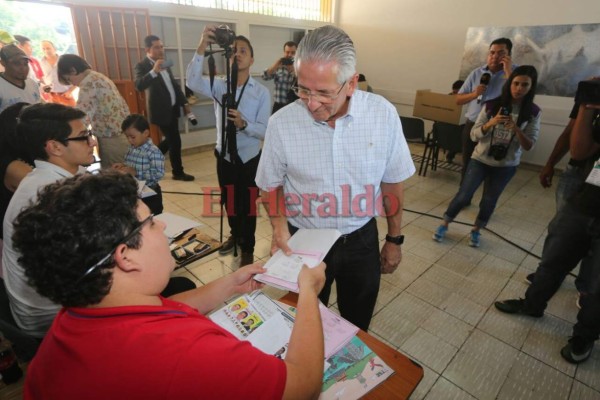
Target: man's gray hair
(326, 44)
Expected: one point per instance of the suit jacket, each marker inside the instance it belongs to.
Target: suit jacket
(158, 99)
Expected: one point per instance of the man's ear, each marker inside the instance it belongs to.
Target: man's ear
(53, 148)
(123, 259)
(352, 84)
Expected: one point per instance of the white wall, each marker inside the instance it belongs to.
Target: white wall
(405, 45)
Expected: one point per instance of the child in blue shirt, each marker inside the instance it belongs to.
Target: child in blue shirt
(143, 159)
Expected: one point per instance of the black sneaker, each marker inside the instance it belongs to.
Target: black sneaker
(516, 306)
(227, 246)
(577, 350)
(183, 177)
(247, 259)
(529, 278)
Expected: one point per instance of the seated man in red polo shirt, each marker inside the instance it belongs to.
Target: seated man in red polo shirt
(91, 245)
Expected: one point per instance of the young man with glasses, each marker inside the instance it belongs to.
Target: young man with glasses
(338, 152)
(91, 245)
(236, 177)
(57, 138)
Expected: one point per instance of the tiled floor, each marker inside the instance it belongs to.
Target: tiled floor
(438, 307)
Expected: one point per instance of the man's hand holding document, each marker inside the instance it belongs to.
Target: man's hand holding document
(309, 246)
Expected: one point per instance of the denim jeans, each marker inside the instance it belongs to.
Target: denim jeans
(572, 235)
(496, 179)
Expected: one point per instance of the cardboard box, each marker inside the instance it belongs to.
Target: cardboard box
(438, 107)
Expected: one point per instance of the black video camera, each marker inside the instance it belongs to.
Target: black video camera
(287, 61)
(588, 92)
(224, 36)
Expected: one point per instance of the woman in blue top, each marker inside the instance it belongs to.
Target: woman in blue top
(504, 127)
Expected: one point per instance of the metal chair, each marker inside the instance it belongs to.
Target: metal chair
(414, 129)
(442, 136)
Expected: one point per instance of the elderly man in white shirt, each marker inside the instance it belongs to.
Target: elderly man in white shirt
(337, 157)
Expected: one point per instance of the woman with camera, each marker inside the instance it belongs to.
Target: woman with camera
(504, 126)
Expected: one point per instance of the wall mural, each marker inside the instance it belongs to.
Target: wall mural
(562, 54)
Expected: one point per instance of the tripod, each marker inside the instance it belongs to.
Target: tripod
(229, 144)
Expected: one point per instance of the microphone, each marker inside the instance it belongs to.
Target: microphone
(485, 80)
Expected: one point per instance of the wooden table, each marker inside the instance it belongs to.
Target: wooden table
(408, 373)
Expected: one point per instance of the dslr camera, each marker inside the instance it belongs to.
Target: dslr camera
(498, 151)
(588, 92)
(287, 61)
(224, 36)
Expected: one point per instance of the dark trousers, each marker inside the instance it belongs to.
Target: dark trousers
(353, 263)
(172, 141)
(154, 203)
(572, 235)
(467, 147)
(238, 194)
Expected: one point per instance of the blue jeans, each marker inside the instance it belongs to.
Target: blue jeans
(496, 180)
(572, 236)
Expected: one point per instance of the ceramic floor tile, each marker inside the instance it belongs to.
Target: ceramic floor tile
(481, 366)
(546, 337)
(511, 329)
(429, 349)
(401, 318)
(443, 276)
(583, 392)
(464, 309)
(589, 371)
(387, 292)
(448, 328)
(532, 379)
(429, 291)
(443, 389)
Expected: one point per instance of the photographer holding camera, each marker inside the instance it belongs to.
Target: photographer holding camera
(282, 71)
(249, 114)
(505, 125)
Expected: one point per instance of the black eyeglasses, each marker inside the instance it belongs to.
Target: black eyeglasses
(89, 137)
(126, 239)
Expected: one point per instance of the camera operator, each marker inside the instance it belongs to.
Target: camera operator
(282, 71)
(250, 116)
(504, 126)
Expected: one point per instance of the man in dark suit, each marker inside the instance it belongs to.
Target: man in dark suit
(164, 100)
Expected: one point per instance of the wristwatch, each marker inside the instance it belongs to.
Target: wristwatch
(244, 126)
(395, 239)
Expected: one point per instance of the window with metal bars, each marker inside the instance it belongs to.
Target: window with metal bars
(311, 10)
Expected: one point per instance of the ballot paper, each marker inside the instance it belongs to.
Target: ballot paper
(309, 246)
